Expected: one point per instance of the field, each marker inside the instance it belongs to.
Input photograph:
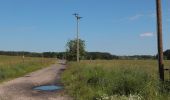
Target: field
(15, 66)
(115, 80)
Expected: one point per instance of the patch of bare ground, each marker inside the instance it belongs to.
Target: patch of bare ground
(22, 88)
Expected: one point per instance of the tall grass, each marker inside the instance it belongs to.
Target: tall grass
(14, 66)
(114, 80)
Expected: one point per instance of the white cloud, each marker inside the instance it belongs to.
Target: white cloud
(135, 17)
(147, 34)
(138, 16)
(152, 15)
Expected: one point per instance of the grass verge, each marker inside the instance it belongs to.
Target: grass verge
(18, 68)
(113, 80)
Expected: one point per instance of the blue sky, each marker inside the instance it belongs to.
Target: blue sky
(121, 27)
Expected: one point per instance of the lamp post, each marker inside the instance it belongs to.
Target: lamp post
(78, 44)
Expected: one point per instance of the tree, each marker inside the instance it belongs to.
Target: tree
(167, 54)
(72, 49)
(100, 55)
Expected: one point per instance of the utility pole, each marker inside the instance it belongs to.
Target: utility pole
(42, 58)
(159, 39)
(78, 44)
(23, 57)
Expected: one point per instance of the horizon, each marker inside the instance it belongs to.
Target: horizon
(118, 28)
(86, 51)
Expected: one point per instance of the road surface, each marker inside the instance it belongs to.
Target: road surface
(22, 88)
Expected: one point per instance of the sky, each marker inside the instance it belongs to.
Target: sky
(120, 27)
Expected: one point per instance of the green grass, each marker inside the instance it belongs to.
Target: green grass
(14, 66)
(114, 80)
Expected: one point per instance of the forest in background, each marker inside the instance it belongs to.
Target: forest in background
(87, 56)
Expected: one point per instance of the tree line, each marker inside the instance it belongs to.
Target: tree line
(86, 56)
(71, 52)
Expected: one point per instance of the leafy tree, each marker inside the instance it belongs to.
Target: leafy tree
(167, 54)
(72, 49)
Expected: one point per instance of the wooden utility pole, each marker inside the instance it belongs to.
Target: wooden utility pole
(159, 39)
(78, 41)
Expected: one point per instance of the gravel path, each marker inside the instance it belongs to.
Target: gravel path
(22, 88)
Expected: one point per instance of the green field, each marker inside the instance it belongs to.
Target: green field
(15, 66)
(115, 80)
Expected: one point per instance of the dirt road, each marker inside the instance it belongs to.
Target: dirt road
(22, 88)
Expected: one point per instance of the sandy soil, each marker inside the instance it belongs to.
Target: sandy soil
(22, 88)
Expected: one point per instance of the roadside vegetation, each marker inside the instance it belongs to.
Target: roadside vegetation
(16, 66)
(115, 80)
